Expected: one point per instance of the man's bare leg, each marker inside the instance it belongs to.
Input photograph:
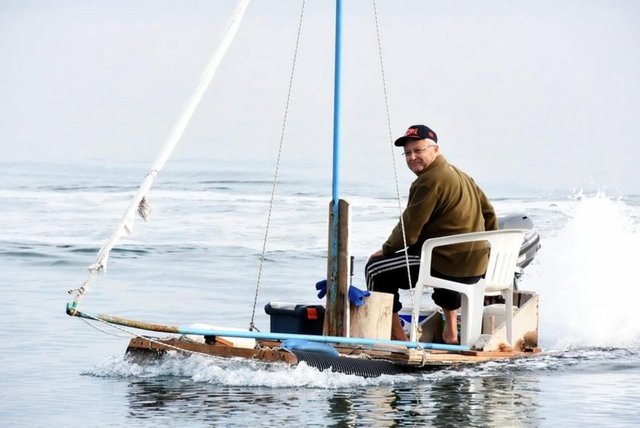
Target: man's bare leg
(397, 332)
(450, 332)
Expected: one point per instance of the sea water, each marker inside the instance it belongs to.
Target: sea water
(197, 260)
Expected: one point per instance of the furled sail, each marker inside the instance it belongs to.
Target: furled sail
(139, 204)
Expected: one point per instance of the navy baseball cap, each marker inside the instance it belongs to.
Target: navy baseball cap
(416, 132)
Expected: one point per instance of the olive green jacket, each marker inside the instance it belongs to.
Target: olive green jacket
(445, 201)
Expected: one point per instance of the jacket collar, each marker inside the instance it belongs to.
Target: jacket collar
(440, 160)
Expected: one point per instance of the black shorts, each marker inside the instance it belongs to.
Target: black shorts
(387, 274)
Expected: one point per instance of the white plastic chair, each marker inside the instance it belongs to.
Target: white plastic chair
(505, 248)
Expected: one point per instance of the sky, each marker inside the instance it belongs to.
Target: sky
(537, 93)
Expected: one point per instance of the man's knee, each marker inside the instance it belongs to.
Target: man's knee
(447, 299)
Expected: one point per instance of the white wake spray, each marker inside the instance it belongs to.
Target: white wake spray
(234, 372)
(587, 278)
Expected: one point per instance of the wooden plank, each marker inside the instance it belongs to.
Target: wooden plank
(499, 354)
(263, 354)
(220, 341)
(373, 319)
(337, 307)
(421, 357)
(432, 328)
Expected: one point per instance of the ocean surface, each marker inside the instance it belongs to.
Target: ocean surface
(196, 260)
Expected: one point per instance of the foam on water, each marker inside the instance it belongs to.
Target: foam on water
(235, 372)
(585, 276)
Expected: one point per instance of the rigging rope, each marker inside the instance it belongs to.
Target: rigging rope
(275, 177)
(139, 203)
(393, 155)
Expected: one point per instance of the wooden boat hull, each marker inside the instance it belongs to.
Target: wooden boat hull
(351, 360)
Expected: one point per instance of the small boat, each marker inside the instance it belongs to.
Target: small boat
(340, 335)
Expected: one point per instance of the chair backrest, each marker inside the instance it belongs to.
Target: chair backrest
(505, 249)
(503, 258)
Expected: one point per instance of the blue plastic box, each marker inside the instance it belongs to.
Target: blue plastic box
(295, 318)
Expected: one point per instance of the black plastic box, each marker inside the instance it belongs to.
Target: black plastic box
(295, 318)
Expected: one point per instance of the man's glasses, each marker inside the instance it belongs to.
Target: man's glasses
(416, 152)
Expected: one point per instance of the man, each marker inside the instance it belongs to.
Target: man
(442, 201)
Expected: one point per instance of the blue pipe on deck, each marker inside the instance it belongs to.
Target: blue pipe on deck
(321, 339)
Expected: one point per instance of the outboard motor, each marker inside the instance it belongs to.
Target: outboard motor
(531, 243)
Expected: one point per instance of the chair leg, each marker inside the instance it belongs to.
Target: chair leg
(508, 316)
(471, 315)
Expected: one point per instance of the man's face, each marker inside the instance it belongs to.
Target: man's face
(419, 154)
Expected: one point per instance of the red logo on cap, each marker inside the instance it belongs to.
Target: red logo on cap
(411, 131)
(431, 135)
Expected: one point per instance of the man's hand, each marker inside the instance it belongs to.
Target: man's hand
(376, 254)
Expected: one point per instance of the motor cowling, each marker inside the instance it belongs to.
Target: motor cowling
(531, 243)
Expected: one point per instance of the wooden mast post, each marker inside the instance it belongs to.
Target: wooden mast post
(337, 313)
